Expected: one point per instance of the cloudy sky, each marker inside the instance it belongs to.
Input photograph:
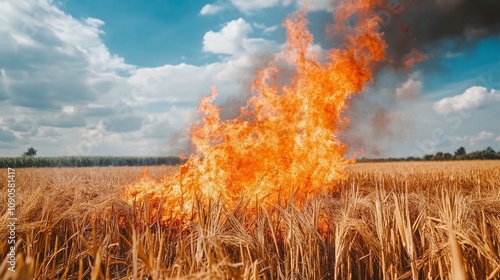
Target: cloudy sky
(124, 77)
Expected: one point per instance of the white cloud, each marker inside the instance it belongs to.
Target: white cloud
(210, 9)
(184, 82)
(475, 139)
(473, 98)
(58, 77)
(484, 135)
(95, 23)
(229, 39)
(270, 29)
(233, 39)
(266, 29)
(318, 5)
(68, 109)
(481, 137)
(410, 90)
(246, 6)
(51, 60)
(7, 136)
(250, 6)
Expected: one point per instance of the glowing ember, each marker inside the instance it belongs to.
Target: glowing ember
(284, 142)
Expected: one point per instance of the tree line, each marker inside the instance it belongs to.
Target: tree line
(85, 161)
(459, 154)
(29, 159)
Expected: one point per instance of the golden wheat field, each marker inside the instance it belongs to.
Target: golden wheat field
(404, 220)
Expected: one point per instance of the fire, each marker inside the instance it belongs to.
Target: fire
(414, 57)
(284, 142)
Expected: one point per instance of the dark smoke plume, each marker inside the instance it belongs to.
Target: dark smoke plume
(425, 24)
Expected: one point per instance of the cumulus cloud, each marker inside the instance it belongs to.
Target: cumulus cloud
(7, 136)
(126, 124)
(473, 140)
(57, 77)
(172, 122)
(484, 135)
(229, 39)
(211, 9)
(63, 120)
(318, 5)
(187, 83)
(95, 111)
(233, 39)
(20, 124)
(410, 90)
(50, 132)
(266, 29)
(473, 98)
(4, 88)
(49, 59)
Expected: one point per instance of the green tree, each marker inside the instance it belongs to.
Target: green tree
(438, 156)
(428, 157)
(460, 151)
(489, 153)
(31, 152)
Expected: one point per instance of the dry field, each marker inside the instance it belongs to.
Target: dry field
(402, 220)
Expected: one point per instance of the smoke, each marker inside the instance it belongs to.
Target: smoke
(412, 29)
(415, 31)
(230, 107)
(376, 125)
(426, 24)
(230, 104)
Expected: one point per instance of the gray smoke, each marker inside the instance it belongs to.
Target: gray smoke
(424, 25)
(409, 24)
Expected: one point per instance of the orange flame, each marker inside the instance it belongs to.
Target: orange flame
(415, 56)
(284, 142)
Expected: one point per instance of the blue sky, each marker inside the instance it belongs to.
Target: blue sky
(155, 32)
(124, 78)
(150, 33)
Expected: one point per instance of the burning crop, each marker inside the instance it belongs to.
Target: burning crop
(284, 142)
(250, 202)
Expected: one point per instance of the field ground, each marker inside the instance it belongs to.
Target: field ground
(401, 220)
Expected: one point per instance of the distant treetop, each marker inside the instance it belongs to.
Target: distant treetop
(31, 152)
